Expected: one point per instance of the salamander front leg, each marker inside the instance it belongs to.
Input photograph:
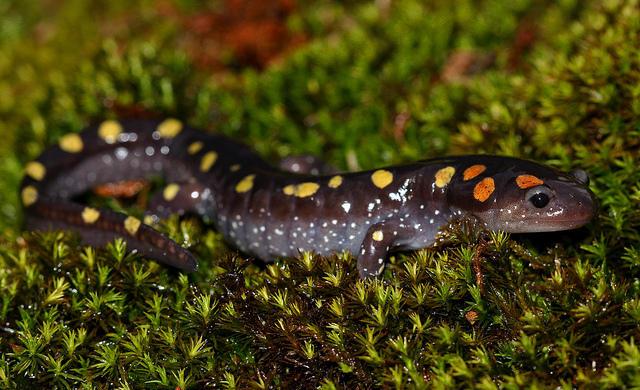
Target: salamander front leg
(374, 249)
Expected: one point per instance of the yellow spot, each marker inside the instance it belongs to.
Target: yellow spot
(377, 235)
(234, 167)
(528, 181)
(131, 225)
(335, 181)
(483, 190)
(169, 128)
(444, 175)
(301, 190)
(207, 161)
(170, 192)
(195, 147)
(381, 178)
(71, 143)
(149, 220)
(473, 171)
(29, 195)
(304, 190)
(36, 170)
(90, 215)
(109, 131)
(245, 184)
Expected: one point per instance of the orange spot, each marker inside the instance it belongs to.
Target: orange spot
(123, 189)
(483, 190)
(473, 171)
(528, 181)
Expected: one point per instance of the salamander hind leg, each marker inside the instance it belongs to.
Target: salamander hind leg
(378, 241)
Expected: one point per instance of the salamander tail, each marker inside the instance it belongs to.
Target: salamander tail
(98, 227)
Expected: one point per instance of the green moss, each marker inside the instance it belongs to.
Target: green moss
(482, 309)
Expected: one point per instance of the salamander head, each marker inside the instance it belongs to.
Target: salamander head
(520, 196)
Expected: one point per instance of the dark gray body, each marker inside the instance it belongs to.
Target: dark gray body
(267, 212)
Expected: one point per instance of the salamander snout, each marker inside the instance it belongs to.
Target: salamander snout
(581, 205)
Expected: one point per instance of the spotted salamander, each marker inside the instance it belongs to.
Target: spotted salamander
(269, 212)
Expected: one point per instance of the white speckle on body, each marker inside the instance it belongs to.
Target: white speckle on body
(121, 153)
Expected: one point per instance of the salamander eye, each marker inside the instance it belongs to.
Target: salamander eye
(539, 199)
(539, 196)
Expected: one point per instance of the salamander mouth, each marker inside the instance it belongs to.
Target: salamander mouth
(550, 225)
(557, 226)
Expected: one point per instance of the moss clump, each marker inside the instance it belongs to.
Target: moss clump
(481, 309)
